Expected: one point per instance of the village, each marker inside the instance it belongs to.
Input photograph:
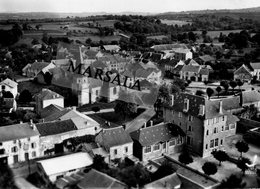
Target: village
(183, 114)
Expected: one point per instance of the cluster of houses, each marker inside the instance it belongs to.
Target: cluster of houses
(199, 123)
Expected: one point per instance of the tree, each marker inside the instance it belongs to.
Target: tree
(185, 157)
(25, 96)
(241, 164)
(209, 168)
(240, 84)
(48, 78)
(6, 178)
(125, 108)
(95, 109)
(88, 40)
(218, 89)
(199, 93)
(233, 181)
(233, 85)
(210, 92)
(242, 147)
(7, 94)
(164, 93)
(164, 170)
(99, 163)
(220, 156)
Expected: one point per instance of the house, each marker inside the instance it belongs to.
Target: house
(194, 73)
(169, 182)
(206, 123)
(58, 167)
(64, 63)
(152, 75)
(165, 48)
(256, 68)
(97, 179)
(250, 97)
(53, 133)
(47, 97)
(154, 141)
(19, 142)
(116, 142)
(9, 85)
(115, 62)
(111, 48)
(182, 54)
(32, 70)
(206, 59)
(50, 110)
(243, 73)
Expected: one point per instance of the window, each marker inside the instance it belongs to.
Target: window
(221, 142)
(189, 140)
(1, 143)
(33, 154)
(222, 128)
(179, 140)
(232, 126)
(206, 146)
(156, 147)
(59, 176)
(172, 142)
(147, 149)
(202, 110)
(186, 105)
(180, 115)
(115, 151)
(216, 142)
(217, 120)
(14, 141)
(223, 118)
(211, 144)
(215, 130)
(126, 149)
(96, 92)
(26, 147)
(207, 133)
(114, 90)
(226, 128)
(14, 149)
(33, 145)
(190, 118)
(189, 128)
(3, 87)
(164, 145)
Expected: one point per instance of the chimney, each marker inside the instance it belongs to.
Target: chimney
(21, 121)
(221, 107)
(151, 123)
(74, 108)
(144, 124)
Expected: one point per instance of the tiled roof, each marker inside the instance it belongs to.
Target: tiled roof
(111, 47)
(207, 58)
(170, 181)
(181, 50)
(255, 65)
(143, 73)
(250, 96)
(9, 82)
(178, 68)
(190, 68)
(158, 133)
(99, 64)
(168, 46)
(47, 94)
(55, 127)
(39, 65)
(113, 137)
(17, 131)
(96, 179)
(204, 71)
(191, 62)
(243, 70)
(50, 110)
(231, 103)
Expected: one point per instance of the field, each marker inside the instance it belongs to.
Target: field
(214, 34)
(174, 22)
(158, 37)
(96, 38)
(102, 23)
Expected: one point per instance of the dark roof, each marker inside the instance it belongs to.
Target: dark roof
(243, 70)
(250, 96)
(99, 64)
(50, 110)
(231, 103)
(158, 133)
(190, 68)
(207, 58)
(255, 65)
(55, 127)
(113, 137)
(204, 71)
(47, 94)
(178, 68)
(96, 179)
(17, 131)
(39, 65)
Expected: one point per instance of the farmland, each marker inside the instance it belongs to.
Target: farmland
(175, 22)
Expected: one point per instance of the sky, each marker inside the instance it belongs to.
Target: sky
(113, 6)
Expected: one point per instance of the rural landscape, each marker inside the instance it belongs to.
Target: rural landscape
(130, 99)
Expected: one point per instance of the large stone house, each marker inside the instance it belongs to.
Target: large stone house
(206, 123)
(156, 140)
(116, 142)
(19, 142)
(32, 70)
(243, 73)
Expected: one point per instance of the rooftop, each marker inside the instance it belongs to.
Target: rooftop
(9, 82)
(17, 131)
(47, 94)
(65, 163)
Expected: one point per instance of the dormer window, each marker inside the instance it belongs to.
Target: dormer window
(186, 105)
(202, 110)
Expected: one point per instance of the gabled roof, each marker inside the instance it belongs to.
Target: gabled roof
(243, 70)
(99, 64)
(96, 179)
(181, 50)
(191, 62)
(158, 133)
(204, 71)
(111, 47)
(190, 68)
(9, 82)
(88, 54)
(144, 73)
(66, 163)
(250, 96)
(255, 65)
(50, 110)
(56, 127)
(47, 94)
(39, 65)
(17, 131)
(113, 137)
(207, 58)
(178, 68)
